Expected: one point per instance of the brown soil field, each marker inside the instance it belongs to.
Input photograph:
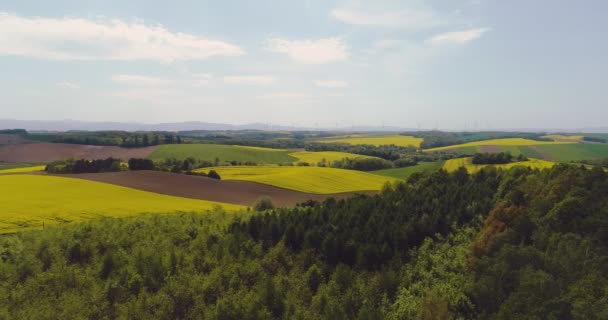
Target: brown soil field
(11, 139)
(47, 152)
(197, 187)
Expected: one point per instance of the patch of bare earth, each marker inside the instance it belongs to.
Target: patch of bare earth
(544, 154)
(11, 139)
(47, 152)
(203, 188)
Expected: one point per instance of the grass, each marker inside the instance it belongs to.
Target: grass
(318, 180)
(210, 152)
(508, 142)
(404, 173)
(330, 156)
(575, 152)
(30, 200)
(22, 169)
(454, 164)
(398, 140)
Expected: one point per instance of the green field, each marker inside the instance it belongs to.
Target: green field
(398, 140)
(404, 173)
(28, 201)
(22, 169)
(508, 142)
(330, 156)
(319, 180)
(575, 152)
(210, 152)
(453, 164)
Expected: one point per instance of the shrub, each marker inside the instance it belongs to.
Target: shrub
(214, 175)
(263, 204)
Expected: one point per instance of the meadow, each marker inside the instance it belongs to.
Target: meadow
(574, 152)
(313, 158)
(28, 201)
(404, 173)
(453, 164)
(210, 152)
(507, 142)
(398, 140)
(318, 180)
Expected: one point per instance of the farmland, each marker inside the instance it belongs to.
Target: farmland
(453, 164)
(329, 156)
(211, 152)
(318, 180)
(508, 142)
(22, 169)
(398, 140)
(574, 152)
(203, 188)
(564, 138)
(30, 200)
(404, 173)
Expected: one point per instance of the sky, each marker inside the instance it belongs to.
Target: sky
(457, 64)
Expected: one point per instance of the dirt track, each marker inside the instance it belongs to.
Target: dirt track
(197, 187)
(47, 152)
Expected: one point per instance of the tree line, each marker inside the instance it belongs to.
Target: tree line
(497, 158)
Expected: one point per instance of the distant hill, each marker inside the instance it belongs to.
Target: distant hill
(67, 125)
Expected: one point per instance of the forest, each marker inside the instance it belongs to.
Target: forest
(516, 244)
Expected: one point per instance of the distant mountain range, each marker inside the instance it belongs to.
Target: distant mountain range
(75, 125)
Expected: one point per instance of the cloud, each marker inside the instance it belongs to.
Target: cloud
(84, 39)
(414, 18)
(311, 51)
(285, 96)
(250, 80)
(202, 80)
(139, 80)
(456, 37)
(68, 85)
(331, 83)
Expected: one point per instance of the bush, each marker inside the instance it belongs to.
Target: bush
(214, 175)
(263, 204)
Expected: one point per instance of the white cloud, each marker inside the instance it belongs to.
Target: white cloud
(284, 96)
(414, 18)
(68, 85)
(139, 80)
(331, 83)
(456, 37)
(202, 80)
(250, 80)
(311, 51)
(84, 39)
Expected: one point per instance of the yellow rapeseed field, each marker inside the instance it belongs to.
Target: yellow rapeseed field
(23, 169)
(28, 201)
(397, 140)
(499, 142)
(560, 137)
(330, 156)
(454, 164)
(306, 179)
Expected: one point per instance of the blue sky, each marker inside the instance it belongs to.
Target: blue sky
(474, 64)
